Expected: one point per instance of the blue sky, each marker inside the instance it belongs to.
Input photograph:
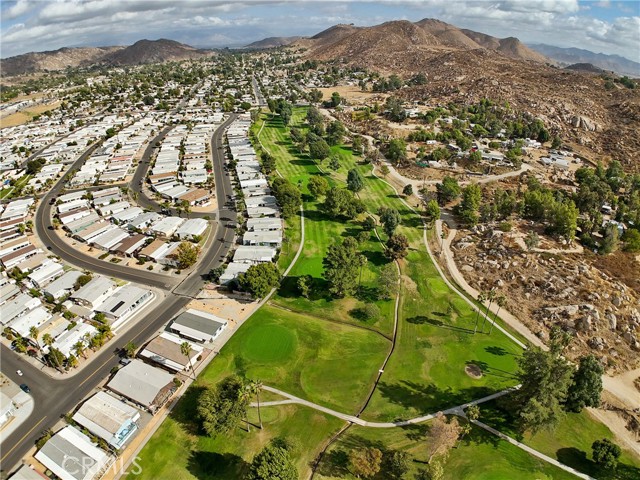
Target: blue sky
(35, 25)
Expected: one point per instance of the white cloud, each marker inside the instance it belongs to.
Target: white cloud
(58, 23)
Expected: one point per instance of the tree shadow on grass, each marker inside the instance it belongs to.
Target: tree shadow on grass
(576, 458)
(499, 351)
(185, 411)
(376, 258)
(318, 289)
(489, 370)
(429, 398)
(334, 464)
(422, 319)
(214, 465)
(366, 294)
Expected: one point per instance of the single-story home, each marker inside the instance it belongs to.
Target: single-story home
(123, 303)
(191, 228)
(70, 455)
(143, 384)
(197, 325)
(95, 292)
(108, 418)
(63, 285)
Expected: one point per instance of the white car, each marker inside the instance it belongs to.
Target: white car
(19, 372)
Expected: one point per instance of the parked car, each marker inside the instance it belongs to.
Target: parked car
(25, 388)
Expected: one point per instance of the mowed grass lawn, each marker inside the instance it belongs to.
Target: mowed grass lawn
(326, 363)
(320, 232)
(479, 456)
(426, 372)
(333, 365)
(178, 451)
(569, 442)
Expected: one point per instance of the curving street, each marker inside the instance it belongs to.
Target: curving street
(54, 397)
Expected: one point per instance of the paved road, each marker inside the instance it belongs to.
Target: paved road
(55, 397)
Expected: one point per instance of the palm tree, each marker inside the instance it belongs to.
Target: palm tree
(362, 261)
(501, 301)
(34, 333)
(78, 348)
(72, 361)
(185, 349)
(21, 344)
(245, 398)
(256, 387)
(47, 339)
(491, 295)
(481, 299)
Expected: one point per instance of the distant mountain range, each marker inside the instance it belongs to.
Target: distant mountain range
(141, 52)
(569, 56)
(273, 42)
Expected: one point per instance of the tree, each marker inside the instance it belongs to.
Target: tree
(390, 219)
(357, 145)
(407, 190)
(335, 132)
(475, 157)
(55, 357)
(335, 99)
(288, 196)
(586, 385)
(432, 211)
(384, 170)
(334, 162)
(315, 95)
(501, 302)
(355, 182)
(185, 349)
(34, 333)
(304, 285)
(72, 361)
(365, 462)
(631, 239)
(469, 208)
(387, 282)
(396, 464)
(319, 149)
(47, 339)
(268, 163)
(318, 186)
(606, 453)
(341, 202)
(611, 241)
(255, 386)
(273, 463)
(260, 279)
(79, 349)
(187, 254)
(83, 280)
(545, 379)
(222, 407)
(448, 190)
(130, 349)
(442, 436)
(396, 246)
(397, 150)
(341, 267)
(482, 297)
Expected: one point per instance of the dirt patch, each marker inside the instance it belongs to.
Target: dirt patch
(636, 383)
(473, 371)
(353, 94)
(409, 284)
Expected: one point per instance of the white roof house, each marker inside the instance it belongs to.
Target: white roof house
(268, 239)
(80, 333)
(70, 455)
(63, 285)
(123, 303)
(167, 226)
(34, 318)
(109, 418)
(143, 384)
(192, 227)
(18, 306)
(44, 274)
(251, 254)
(7, 409)
(197, 325)
(95, 292)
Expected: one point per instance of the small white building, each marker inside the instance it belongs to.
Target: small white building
(166, 350)
(95, 292)
(41, 276)
(192, 227)
(123, 303)
(197, 325)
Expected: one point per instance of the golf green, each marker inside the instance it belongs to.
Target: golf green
(270, 343)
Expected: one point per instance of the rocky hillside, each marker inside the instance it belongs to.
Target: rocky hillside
(153, 51)
(54, 60)
(597, 122)
(428, 35)
(141, 52)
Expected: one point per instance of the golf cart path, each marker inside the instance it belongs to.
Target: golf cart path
(457, 410)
